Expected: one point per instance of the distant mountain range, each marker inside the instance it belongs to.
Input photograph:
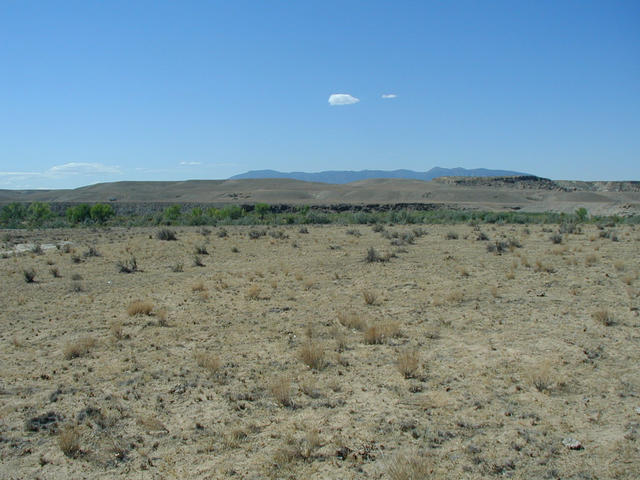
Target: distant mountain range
(348, 176)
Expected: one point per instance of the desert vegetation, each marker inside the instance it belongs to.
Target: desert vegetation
(294, 351)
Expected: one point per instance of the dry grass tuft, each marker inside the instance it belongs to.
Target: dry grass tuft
(309, 386)
(590, 260)
(541, 376)
(455, 297)
(161, 315)
(374, 335)
(139, 307)
(280, 388)
(198, 286)
(78, 348)
(605, 317)
(29, 275)
(253, 293)
(409, 467)
(69, 441)
(540, 266)
(312, 354)
(408, 362)
(208, 361)
(352, 320)
(629, 279)
(373, 256)
(370, 297)
(116, 329)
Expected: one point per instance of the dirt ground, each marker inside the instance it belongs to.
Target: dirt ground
(288, 355)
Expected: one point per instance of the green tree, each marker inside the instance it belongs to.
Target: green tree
(172, 214)
(197, 216)
(582, 214)
(38, 212)
(79, 213)
(13, 213)
(101, 212)
(231, 211)
(262, 209)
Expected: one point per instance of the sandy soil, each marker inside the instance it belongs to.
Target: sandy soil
(522, 364)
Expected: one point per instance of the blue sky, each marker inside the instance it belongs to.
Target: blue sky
(94, 91)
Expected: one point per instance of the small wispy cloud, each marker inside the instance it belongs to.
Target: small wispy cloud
(342, 99)
(388, 95)
(190, 164)
(57, 173)
(81, 168)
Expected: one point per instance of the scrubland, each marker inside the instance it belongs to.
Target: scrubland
(397, 352)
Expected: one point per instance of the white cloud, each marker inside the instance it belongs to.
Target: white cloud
(57, 174)
(81, 168)
(342, 99)
(190, 164)
(389, 95)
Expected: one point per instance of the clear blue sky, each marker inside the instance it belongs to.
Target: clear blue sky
(95, 91)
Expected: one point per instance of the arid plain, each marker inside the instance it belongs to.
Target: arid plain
(321, 352)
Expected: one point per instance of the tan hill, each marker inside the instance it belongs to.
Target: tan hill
(496, 193)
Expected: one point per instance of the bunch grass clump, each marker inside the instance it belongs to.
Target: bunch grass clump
(139, 307)
(79, 347)
(408, 362)
(166, 234)
(604, 316)
(208, 361)
(312, 354)
(29, 275)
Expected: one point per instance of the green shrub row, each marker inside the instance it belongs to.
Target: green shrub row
(40, 215)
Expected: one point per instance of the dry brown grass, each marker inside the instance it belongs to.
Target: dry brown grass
(198, 286)
(352, 320)
(457, 296)
(79, 347)
(408, 363)
(139, 307)
(604, 317)
(370, 297)
(374, 335)
(312, 354)
(161, 315)
(629, 279)
(209, 361)
(309, 386)
(69, 441)
(280, 388)
(253, 292)
(462, 271)
(542, 266)
(590, 260)
(414, 466)
(466, 413)
(541, 376)
(116, 329)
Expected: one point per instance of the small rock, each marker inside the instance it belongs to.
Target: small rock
(638, 410)
(572, 443)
